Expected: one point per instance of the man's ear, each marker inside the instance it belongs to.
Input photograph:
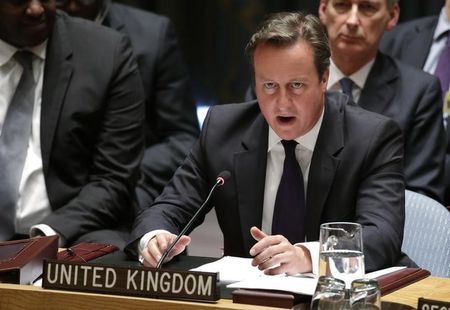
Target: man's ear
(394, 15)
(324, 79)
(322, 11)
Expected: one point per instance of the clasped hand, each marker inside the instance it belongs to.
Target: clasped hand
(276, 255)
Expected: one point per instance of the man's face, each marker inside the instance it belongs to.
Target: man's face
(289, 90)
(26, 22)
(87, 9)
(355, 27)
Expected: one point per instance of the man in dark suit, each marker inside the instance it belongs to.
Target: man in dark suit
(350, 160)
(86, 140)
(172, 125)
(421, 43)
(381, 84)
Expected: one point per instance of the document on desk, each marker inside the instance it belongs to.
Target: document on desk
(232, 269)
(241, 274)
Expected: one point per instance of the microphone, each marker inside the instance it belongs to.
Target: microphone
(220, 180)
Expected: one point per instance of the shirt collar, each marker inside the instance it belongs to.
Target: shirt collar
(308, 140)
(359, 77)
(443, 25)
(7, 51)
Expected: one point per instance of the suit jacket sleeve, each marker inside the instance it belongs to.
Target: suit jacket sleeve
(171, 116)
(105, 199)
(424, 165)
(380, 200)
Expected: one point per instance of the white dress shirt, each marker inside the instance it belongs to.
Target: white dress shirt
(439, 42)
(274, 170)
(33, 204)
(359, 79)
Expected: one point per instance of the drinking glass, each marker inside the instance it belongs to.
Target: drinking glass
(341, 251)
(329, 294)
(365, 294)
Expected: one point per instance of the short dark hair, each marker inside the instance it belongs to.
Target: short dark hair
(390, 3)
(288, 28)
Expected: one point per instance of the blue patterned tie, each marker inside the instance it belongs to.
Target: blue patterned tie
(14, 139)
(347, 87)
(289, 211)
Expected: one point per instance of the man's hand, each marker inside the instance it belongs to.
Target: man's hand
(270, 251)
(158, 244)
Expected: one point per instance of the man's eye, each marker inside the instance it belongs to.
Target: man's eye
(367, 8)
(269, 85)
(342, 6)
(297, 85)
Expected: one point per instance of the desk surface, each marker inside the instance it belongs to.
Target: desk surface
(19, 297)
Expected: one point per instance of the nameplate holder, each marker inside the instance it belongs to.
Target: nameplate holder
(131, 280)
(430, 304)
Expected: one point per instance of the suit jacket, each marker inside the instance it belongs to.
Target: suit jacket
(410, 42)
(91, 127)
(171, 119)
(413, 99)
(356, 174)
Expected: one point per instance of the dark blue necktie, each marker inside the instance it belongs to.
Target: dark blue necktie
(14, 139)
(347, 87)
(289, 211)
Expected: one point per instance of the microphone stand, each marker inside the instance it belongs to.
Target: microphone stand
(218, 183)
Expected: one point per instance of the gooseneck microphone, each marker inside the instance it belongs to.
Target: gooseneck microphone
(220, 180)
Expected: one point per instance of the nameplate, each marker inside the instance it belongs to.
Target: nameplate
(429, 304)
(132, 281)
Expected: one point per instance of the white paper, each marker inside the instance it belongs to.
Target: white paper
(296, 284)
(241, 274)
(232, 269)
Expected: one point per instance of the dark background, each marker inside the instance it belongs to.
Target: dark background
(213, 35)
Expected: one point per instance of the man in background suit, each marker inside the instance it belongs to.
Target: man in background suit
(86, 137)
(351, 161)
(172, 125)
(378, 83)
(421, 43)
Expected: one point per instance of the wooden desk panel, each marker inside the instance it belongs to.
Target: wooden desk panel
(431, 287)
(21, 297)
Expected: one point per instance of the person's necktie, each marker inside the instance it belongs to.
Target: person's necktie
(347, 87)
(289, 211)
(443, 67)
(14, 139)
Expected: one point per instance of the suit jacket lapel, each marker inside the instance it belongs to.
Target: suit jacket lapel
(379, 89)
(420, 42)
(113, 20)
(250, 171)
(324, 163)
(57, 74)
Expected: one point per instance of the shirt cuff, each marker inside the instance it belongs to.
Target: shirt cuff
(45, 230)
(146, 238)
(313, 249)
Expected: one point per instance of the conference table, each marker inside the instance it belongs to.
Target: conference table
(19, 297)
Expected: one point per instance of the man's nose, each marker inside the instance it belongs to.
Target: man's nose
(353, 16)
(284, 98)
(35, 8)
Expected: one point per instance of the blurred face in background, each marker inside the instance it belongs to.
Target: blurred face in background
(87, 9)
(355, 27)
(289, 89)
(25, 23)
